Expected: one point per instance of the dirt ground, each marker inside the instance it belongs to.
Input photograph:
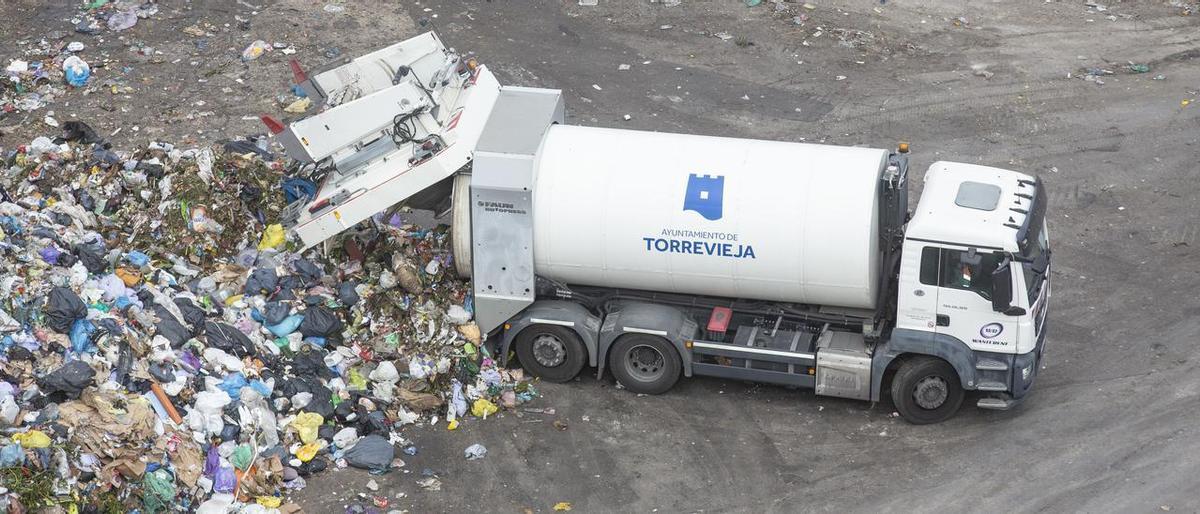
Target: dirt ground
(1112, 423)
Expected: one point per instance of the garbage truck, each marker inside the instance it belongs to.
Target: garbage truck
(656, 256)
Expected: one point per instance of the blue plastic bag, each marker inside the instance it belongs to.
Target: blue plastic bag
(261, 388)
(233, 384)
(12, 456)
(287, 326)
(81, 336)
(137, 258)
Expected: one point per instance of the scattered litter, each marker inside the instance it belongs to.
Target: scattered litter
(475, 451)
(255, 50)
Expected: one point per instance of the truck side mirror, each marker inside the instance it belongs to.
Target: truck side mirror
(1002, 287)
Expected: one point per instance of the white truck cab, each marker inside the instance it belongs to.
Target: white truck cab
(975, 272)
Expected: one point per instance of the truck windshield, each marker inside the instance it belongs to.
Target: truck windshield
(1036, 251)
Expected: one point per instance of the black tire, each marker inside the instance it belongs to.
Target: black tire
(645, 364)
(926, 390)
(550, 352)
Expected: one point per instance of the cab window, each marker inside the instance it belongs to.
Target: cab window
(961, 270)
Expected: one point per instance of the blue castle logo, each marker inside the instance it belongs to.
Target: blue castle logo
(704, 195)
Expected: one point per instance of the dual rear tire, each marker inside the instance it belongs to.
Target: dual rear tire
(641, 363)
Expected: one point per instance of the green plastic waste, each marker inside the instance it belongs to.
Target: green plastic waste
(357, 381)
(158, 491)
(1139, 68)
(242, 457)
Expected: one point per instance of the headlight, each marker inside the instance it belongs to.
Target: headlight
(1025, 372)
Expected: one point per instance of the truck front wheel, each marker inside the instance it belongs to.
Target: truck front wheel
(645, 364)
(551, 352)
(926, 390)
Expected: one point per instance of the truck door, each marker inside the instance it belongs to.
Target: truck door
(964, 305)
(918, 291)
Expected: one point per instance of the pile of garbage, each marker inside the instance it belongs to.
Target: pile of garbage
(163, 347)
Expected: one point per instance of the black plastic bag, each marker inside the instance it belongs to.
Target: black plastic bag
(321, 322)
(262, 281)
(311, 363)
(321, 396)
(305, 269)
(63, 307)
(78, 131)
(289, 284)
(69, 380)
(372, 452)
(346, 294)
(171, 328)
(374, 423)
(229, 339)
(92, 257)
(273, 313)
(193, 315)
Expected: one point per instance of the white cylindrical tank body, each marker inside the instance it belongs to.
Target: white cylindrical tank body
(703, 215)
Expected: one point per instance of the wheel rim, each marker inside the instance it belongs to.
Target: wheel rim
(549, 350)
(931, 392)
(645, 363)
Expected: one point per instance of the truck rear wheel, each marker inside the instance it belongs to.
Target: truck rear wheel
(645, 364)
(550, 352)
(926, 390)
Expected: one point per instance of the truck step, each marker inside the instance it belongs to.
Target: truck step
(995, 403)
(991, 365)
(991, 386)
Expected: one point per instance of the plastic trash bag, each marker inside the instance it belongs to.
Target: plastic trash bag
(273, 237)
(233, 384)
(81, 336)
(482, 408)
(76, 71)
(320, 321)
(70, 379)
(287, 326)
(192, 314)
(242, 457)
(224, 481)
(122, 20)
(345, 438)
(63, 307)
(475, 452)
(205, 413)
(273, 313)
(32, 439)
(311, 273)
(228, 339)
(12, 456)
(92, 257)
(262, 281)
(306, 424)
(212, 462)
(307, 452)
(348, 293)
(158, 491)
(373, 453)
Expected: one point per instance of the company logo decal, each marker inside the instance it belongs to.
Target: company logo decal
(704, 195)
(991, 330)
